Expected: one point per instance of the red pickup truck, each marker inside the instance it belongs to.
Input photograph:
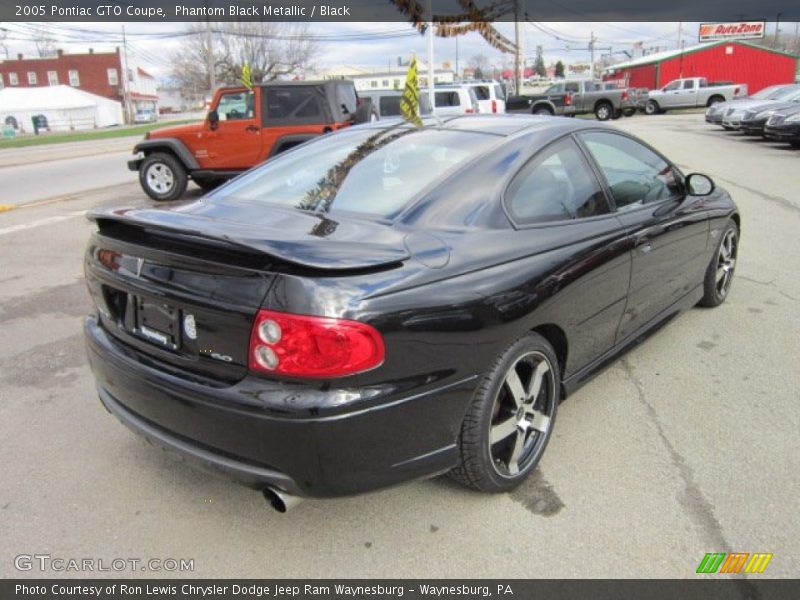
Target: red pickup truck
(244, 127)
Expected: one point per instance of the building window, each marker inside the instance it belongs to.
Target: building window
(113, 77)
(373, 84)
(52, 77)
(74, 80)
(31, 77)
(13, 79)
(385, 83)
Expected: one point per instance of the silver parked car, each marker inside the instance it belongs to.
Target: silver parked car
(716, 112)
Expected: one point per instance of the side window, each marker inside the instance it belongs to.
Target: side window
(688, 84)
(389, 106)
(447, 99)
(635, 174)
(295, 104)
(555, 89)
(482, 92)
(235, 106)
(498, 92)
(573, 87)
(556, 185)
(672, 85)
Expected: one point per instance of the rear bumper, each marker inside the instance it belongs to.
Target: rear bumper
(258, 432)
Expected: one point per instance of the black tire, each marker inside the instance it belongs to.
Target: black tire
(521, 428)
(603, 111)
(542, 111)
(719, 274)
(795, 143)
(652, 108)
(628, 112)
(163, 177)
(715, 100)
(617, 114)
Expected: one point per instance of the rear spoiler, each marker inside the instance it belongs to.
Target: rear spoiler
(310, 249)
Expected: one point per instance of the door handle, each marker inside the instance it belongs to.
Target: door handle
(251, 128)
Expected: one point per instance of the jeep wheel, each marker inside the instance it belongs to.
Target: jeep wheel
(162, 177)
(629, 112)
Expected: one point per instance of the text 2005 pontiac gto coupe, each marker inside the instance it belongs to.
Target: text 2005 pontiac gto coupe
(392, 302)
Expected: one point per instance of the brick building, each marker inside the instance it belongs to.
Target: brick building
(98, 73)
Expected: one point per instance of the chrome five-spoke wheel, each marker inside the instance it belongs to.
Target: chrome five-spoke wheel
(726, 262)
(521, 414)
(510, 419)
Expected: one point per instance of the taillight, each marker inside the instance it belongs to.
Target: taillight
(568, 100)
(305, 346)
(494, 106)
(736, 91)
(624, 95)
(470, 111)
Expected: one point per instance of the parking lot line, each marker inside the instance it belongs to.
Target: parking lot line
(40, 222)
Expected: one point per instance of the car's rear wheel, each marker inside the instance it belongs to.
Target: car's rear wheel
(719, 274)
(543, 110)
(629, 112)
(617, 114)
(510, 419)
(652, 108)
(163, 177)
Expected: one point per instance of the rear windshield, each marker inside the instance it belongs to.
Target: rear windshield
(367, 171)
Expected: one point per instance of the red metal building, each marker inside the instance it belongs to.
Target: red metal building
(737, 62)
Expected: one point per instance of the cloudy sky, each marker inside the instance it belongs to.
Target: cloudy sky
(369, 44)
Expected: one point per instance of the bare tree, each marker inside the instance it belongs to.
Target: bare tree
(480, 64)
(271, 49)
(45, 42)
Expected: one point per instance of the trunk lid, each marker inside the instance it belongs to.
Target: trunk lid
(181, 286)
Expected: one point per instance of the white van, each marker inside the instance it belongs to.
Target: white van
(491, 98)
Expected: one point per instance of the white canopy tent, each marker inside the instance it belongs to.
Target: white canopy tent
(65, 108)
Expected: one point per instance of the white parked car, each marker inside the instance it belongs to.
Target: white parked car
(491, 98)
(454, 100)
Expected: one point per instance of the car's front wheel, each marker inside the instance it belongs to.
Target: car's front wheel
(719, 274)
(163, 177)
(511, 417)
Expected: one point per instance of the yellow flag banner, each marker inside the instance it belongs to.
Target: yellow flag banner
(246, 77)
(409, 103)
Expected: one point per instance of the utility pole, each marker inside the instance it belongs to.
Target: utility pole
(457, 71)
(212, 74)
(680, 34)
(431, 94)
(777, 30)
(796, 38)
(519, 63)
(126, 103)
(591, 56)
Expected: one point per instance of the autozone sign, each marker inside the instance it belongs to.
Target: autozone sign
(732, 31)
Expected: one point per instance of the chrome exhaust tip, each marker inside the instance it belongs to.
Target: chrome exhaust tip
(280, 500)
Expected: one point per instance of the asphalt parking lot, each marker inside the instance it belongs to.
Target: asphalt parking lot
(689, 445)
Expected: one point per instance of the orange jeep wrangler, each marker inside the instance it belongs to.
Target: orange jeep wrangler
(243, 128)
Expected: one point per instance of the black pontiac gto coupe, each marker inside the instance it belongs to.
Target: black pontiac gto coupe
(391, 302)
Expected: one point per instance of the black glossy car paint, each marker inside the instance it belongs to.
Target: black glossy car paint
(449, 285)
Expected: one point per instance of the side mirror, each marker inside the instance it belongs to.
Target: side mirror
(698, 184)
(213, 119)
